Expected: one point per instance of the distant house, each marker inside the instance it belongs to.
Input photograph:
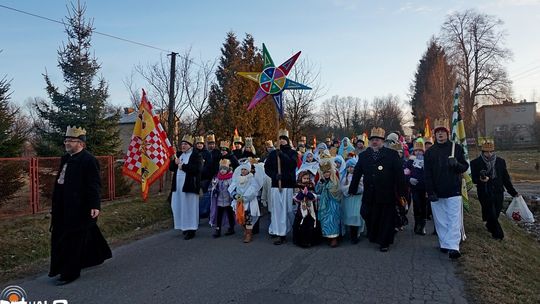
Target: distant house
(510, 125)
(126, 125)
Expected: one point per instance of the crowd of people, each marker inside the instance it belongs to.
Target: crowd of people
(336, 190)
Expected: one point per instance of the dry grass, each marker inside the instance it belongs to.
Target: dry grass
(499, 271)
(26, 240)
(521, 163)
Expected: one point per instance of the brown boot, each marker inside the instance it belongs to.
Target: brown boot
(333, 242)
(248, 236)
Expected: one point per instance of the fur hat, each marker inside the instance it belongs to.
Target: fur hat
(188, 139)
(75, 132)
(377, 133)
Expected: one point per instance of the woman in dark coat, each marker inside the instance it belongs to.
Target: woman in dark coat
(185, 188)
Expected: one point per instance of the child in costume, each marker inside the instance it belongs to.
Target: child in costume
(352, 203)
(329, 193)
(244, 189)
(221, 199)
(306, 229)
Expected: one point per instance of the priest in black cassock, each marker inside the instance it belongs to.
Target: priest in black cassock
(383, 186)
(76, 240)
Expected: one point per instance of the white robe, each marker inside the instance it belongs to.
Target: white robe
(185, 206)
(448, 217)
(282, 211)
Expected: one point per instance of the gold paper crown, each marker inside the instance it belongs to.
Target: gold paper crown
(225, 144)
(377, 132)
(210, 138)
(327, 164)
(249, 142)
(199, 139)
(418, 145)
(333, 151)
(224, 163)
(302, 149)
(75, 132)
(303, 138)
(441, 123)
(253, 160)
(283, 132)
(237, 139)
(397, 146)
(488, 145)
(428, 140)
(188, 138)
(269, 144)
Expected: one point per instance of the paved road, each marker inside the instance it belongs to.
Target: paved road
(164, 268)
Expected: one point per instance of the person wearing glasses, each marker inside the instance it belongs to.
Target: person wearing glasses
(76, 241)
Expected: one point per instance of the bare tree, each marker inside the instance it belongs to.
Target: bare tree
(387, 113)
(133, 89)
(300, 104)
(475, 44)
(196, 80)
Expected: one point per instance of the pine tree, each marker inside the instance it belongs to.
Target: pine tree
(433, 85)
(231, 94)
(83, 103)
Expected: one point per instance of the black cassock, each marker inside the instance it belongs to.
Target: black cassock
(383, 183)
(76, 240)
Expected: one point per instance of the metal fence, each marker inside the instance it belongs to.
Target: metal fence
(27, 183)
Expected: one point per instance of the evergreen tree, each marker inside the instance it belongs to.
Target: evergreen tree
(11, 139)
(230, 96)
(83, 103)
(433, 86)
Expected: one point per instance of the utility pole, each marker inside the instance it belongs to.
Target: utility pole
(171, 121)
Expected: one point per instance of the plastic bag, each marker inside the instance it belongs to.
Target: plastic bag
(519, 212)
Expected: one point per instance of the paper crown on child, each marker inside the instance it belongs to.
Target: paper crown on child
(199, 139)
(249, 142)
(237, 139)
(76, 132)
(210, 138)
(269, 144)
(419, 145)
(188, 139)
(225, 163)
(397, 146)
(225, 144)
(488, 145)
(441, 123)
(377, 132)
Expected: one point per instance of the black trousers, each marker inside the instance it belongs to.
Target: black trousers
(491, 209)
(420, 204)
(230, 216)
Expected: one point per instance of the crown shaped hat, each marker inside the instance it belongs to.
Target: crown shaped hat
(419, 145)
(225, 144)
(237, 139)
(199, 139)
(76, 132)
(188, 138)
(377, 132)
(249, 141)
(488, 145)
(283, 132)
(210, 138)
(269, 144)
(397, 146)
(224, 163)
(441, 123)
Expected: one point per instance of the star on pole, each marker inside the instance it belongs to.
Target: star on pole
(273, 81)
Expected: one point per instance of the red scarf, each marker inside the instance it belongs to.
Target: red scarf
(225, 176)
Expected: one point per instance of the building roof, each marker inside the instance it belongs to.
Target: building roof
(129, 118)
(508, 105)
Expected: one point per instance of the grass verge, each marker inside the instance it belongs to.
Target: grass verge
(499, 271)
(26, 240)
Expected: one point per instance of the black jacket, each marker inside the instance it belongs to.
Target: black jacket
(496, 185)
(439, 177)
(383, 179)
(230, 156)
(288, 160)
(193, 172)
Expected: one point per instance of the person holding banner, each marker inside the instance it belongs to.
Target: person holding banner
(444, 164)
(186, 181)
(491, 177)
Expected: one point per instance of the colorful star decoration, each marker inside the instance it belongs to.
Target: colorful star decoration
(273, 81)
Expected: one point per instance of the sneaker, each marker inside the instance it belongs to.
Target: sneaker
(454, 254)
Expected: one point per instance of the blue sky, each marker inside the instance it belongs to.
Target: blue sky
(363, 48)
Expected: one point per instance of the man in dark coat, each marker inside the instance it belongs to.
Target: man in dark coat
(226, 153)
(491, 177)
(76, 240)
(206, 176)
(382, 170)
(280, 166)
(444, 165)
